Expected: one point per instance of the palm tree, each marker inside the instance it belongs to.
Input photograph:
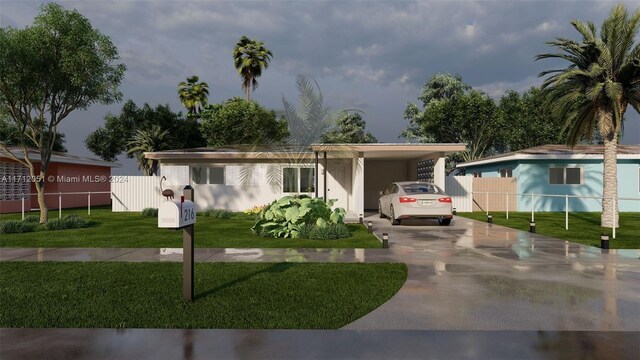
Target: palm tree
(193, 94)
(250, 57)
(152, 140)
(593, 91)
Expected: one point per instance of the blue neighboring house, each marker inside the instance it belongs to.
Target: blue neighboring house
(562, 170)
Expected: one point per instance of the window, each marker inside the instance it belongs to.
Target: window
(477, 174)
(565, 175)
(421, 189)
(506, 172)
(207, 175)
(298, 180)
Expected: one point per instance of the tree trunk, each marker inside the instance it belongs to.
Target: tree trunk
(248, 93)
(44, 211)
(610, 181)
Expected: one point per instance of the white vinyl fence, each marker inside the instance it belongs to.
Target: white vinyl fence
(136, 193)
(460, 189)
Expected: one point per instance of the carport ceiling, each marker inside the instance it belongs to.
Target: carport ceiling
(391, 151)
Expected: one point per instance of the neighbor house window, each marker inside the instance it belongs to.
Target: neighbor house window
(506, 172)
(296, 180)
(477, 174)
(213, 175)
(565, 175)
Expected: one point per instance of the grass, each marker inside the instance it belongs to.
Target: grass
(228, 295)
(584, 228)
(134, 230)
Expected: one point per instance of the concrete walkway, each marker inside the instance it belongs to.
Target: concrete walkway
(473, 291)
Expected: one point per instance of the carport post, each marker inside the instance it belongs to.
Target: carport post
(316, 175)
(325, 176)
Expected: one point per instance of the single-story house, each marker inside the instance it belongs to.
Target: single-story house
(239, 177)
(73, 176)
(562, 170)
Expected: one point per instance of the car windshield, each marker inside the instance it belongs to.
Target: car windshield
(421, 189)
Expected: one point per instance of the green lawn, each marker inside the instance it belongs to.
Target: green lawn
(228, 295)
(584, 228)
(134, 230)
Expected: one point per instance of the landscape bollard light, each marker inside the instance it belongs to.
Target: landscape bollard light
(361, 219)
(532, 227)
(370, 226)
(604, 241)
(385, 240)
(454, 212)
(490, 219)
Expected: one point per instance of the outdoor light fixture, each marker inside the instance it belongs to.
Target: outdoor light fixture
(532, 227)
(490, 219)
(370, 226)
(604, 241)
(385, 240)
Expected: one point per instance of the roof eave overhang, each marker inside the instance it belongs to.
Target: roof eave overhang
(518, 157)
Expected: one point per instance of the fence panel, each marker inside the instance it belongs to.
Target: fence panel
(136, 193)
(494, 202)
(460, 188)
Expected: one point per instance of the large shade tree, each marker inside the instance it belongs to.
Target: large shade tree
(193, 95)
(250, 57)
(593, 91)
(349, 129)
(47, 71)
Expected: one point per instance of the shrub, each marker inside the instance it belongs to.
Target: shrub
(67, 222)
(15, 227)
(255, 210)
(150, 212)
(217, 213)
(330, 232)
(286, 217)
(31, 219)
(305, 231)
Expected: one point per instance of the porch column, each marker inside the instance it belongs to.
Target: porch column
(325, 170)
(439, 171)
(357, 177)
(317, 179)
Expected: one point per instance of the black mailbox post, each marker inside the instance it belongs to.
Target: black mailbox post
(187, 253)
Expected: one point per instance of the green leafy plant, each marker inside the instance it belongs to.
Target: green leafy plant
(285, 218)
(31, 219)
(15, 227)
(67, 222)
(217, 213)
(331, 232)
(150, 212)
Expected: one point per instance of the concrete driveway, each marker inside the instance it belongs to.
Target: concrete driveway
(476, 276)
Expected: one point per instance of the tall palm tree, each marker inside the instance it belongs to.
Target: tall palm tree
(193, 94)
(250, 57)
(151, 140)
(594, 90)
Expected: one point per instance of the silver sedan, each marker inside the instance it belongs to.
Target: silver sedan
(415, 200)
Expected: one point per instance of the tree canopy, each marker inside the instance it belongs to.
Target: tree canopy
(114, 138)
(47, 71)
(350, 129)
(193, 95)
(237, 121)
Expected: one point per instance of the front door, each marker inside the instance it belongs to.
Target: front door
(339, 182)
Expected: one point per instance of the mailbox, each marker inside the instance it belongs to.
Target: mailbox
(176, 214)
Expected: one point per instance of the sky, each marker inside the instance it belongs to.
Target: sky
(370, 55)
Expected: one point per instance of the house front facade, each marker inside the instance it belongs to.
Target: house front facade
(560, 170)
(238, 178)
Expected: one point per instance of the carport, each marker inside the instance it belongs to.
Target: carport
(366, 169)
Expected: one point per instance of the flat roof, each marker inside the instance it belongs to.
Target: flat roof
(557, 152)
(58, 157)
(368, 151)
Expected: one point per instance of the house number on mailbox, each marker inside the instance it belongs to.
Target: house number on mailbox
(189, 214)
